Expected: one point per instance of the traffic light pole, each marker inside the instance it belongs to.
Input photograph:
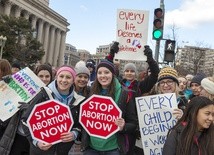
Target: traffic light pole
(157, 46)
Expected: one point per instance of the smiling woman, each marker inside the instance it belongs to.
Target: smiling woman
(194, 132)
(61, 89)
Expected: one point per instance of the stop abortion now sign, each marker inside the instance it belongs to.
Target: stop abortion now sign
(48, 120)
(97, 116)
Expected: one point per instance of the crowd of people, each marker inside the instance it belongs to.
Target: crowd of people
(193, 133)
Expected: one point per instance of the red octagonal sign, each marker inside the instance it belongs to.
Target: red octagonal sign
(98, 114)
(48, 120)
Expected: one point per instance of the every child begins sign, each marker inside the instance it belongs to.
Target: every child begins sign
(155, 119)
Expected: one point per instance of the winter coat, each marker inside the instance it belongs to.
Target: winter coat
(73, 101)
(172, 140)
(127, 107)
(9, 134)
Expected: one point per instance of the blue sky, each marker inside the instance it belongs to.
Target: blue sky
(93, 22)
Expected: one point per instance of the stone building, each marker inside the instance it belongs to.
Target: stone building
(195, 59)
(71, 56)
(51, 28)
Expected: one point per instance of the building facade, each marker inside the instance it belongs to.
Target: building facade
(51, 28)
(84, 54)
(71, 56)
(195, 59)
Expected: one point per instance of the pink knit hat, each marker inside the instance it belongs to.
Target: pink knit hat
(66, 68)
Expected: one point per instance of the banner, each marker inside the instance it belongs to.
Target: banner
(155, 119)
(23, 86)
(132, 34)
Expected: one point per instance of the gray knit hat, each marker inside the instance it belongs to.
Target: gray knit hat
(130, 66)
(82, 70)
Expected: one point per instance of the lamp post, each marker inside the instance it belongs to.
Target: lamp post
(2, 44)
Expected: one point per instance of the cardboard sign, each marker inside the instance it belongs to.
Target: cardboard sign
(132, 34)
(155, 119)
(97, 116)
(48, 120)
(23, 86)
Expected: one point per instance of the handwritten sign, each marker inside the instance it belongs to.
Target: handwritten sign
(132, 34)
(155, 119)
(23, 86)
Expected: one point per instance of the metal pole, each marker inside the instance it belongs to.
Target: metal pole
(157, 46)
(2, 44)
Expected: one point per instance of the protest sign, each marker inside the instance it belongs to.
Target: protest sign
(23, 86)
(155, 119)
(132, 34)
(97, 116)
(48, 120)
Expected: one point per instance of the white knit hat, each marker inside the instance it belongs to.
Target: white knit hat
(130, 66)
(208, 85)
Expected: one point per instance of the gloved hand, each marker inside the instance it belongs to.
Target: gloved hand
(114, 48)
(23, 106)
(7, 78)
(148, 53)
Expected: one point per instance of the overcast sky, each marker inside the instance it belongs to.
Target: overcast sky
(93, 22)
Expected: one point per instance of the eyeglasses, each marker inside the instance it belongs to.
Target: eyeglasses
(169, 83)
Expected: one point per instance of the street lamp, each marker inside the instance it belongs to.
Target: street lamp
(2, 44)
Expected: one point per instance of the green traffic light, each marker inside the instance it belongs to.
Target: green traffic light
(157, 34)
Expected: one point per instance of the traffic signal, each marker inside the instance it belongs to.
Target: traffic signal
(158, 24)
(169, 51)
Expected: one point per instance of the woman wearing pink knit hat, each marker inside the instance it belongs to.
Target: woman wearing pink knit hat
(61, 89)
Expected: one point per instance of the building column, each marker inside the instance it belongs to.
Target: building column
(40, 29)
(17, 12)
(45, 45)
(62, 49)
(51, 45)
(57, 48)
(33, 22)
(7, 8)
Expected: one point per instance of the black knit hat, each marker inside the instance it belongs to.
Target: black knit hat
(107, 64)
(198, 78)
(43, 67)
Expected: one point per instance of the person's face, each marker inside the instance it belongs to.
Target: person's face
(81, 80)
(204, 93)
(129, 74)
(64, 81)
(45, 76)
(167, 86)
(182, 83)
(196, 89)
(205, 117)
(104, 77)
(15, 70)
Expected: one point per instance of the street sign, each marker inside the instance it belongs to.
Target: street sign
(48, 120)
(97, 116)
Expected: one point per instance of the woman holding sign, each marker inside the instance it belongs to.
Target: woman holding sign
(106, 84)
(61, 89)
(194, 132)
(168, 83)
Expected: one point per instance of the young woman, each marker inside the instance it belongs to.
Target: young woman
(81, 80)
(194, 132)
(61, 89)
(44, 72)
(168, 83)
(106, 84)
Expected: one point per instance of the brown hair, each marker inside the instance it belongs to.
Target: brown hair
(97, 88)
(5, 68)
